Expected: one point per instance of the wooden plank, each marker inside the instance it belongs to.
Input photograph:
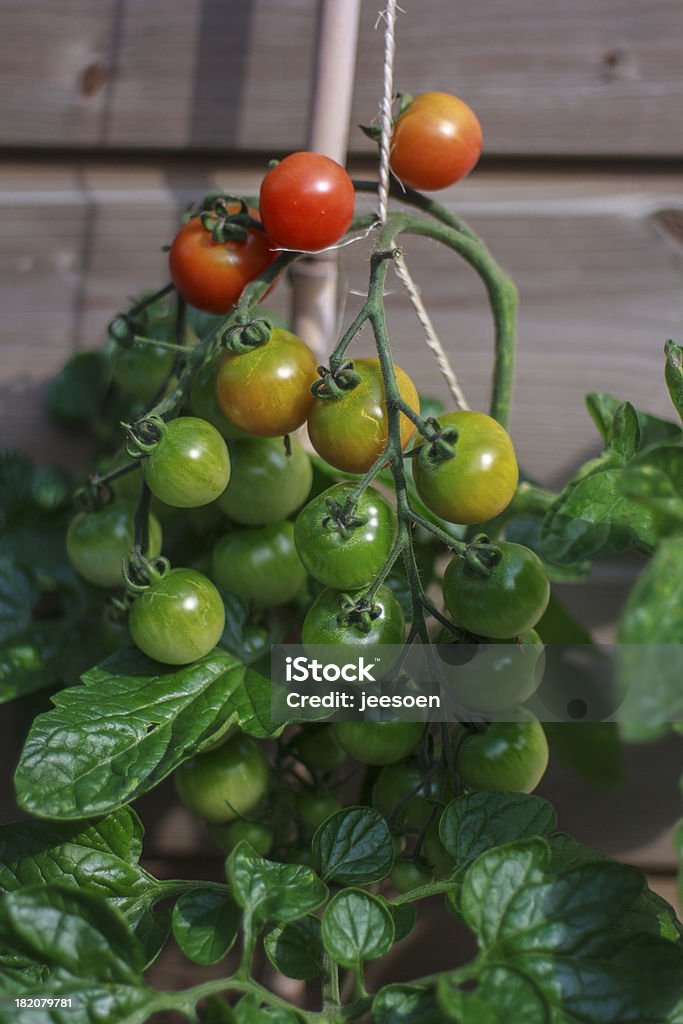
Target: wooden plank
(545, 77)
(595, 257)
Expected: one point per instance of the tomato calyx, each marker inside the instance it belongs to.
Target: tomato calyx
(141, 572)
(241, 338)
(440, 444)
(143, 436)
(225, 223)
(337, 381)
(481, 557)
(359, 614)
(342, 517)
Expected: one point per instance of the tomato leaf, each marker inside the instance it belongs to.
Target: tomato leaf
(591, 517)
(654, 479)
(205, 924)
(250, 1011)
(75, 396)
(603, 406)
(101, 856)
(296, 949)
(479, 821)
(269, 891)
(650, 653)
(356, 927)
(251, 704)
(404, 915)
(74, 946)
(623, 435)
(673, 372)
(129, 725)
(649, 912)
(17, 597)
(406, 1004)
(559, 928)
(354, 847)
(502, 994)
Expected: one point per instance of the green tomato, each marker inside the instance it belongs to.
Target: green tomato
(436, 854)
(226, 783)
(345, 557)
(315, 808)
(259, 564)
(508, 756)
(142, 370)
(406, 797)
(179, 618)
(318, 748)
(113, 630)
(378, 742)
(326, 622)
(204, 401)
(496, 675)
(190, 465)
(504, 604)
(408, 874)
(99, 543)
(266, 485)
(256, 834)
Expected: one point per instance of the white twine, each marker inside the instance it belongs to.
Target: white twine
(386, 123)
(431, 337)
(385, 110)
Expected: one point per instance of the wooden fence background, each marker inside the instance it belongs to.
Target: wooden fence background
(114, 114)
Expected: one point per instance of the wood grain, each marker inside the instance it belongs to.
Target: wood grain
(545, 77)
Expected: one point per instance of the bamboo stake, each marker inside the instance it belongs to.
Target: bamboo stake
(314, 280)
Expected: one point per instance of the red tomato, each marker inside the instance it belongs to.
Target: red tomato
(211, 275)
(437, 141)
(306, 202)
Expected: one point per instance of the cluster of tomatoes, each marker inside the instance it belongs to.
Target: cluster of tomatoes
(229, 455)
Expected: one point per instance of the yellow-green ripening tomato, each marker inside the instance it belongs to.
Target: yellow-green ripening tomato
(479, 481)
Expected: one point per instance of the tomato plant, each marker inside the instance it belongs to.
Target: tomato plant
(341, 810)
(190, 465)
(212, 275)
(350, 430)
(436, 141)
(340, 548)
(479, 481)
(267, 391)
(306, 202)
(505, 603)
